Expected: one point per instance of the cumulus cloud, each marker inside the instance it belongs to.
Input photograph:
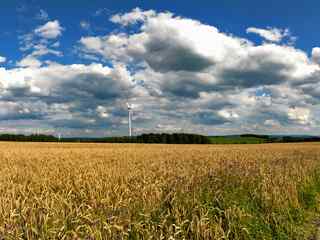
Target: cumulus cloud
(50, 30)
(190, 57)
(31, 60)
(71, 82)
(180, 58)
(72, 94)
(270, 34)
(166, 38)
(40, 42)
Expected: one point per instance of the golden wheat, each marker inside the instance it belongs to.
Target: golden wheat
(136, 191)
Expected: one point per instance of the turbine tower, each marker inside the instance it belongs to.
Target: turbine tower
(129, 118)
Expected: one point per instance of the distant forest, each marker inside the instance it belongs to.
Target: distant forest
(164, 138)
(176, 138)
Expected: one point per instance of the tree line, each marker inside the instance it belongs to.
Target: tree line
(28, 138)
(175, 138)
(164, 138)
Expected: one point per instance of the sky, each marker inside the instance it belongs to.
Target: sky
(207, 67)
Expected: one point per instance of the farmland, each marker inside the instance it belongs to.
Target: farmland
(139, 191)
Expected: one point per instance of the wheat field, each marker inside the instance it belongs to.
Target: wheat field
(137, 191)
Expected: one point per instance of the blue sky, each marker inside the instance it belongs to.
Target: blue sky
(210, 67)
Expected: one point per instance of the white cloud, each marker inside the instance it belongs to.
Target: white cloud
(96, 78)
(189, 57)
(190, 64)
(228, 114)
(299, 114)
(3, 59)
(270, 34)
(39, 43)
(102, 112)
(29, 61)
(85, 25)
(32, 59)
(315, 55)
(188, 41)
(41, 50)
(136, 15)
(26, 41)
(71, 96)
(50, 30)
(167, 128)
(272, 123)
(92, 44)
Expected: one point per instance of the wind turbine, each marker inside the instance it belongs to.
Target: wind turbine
(129, 118)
